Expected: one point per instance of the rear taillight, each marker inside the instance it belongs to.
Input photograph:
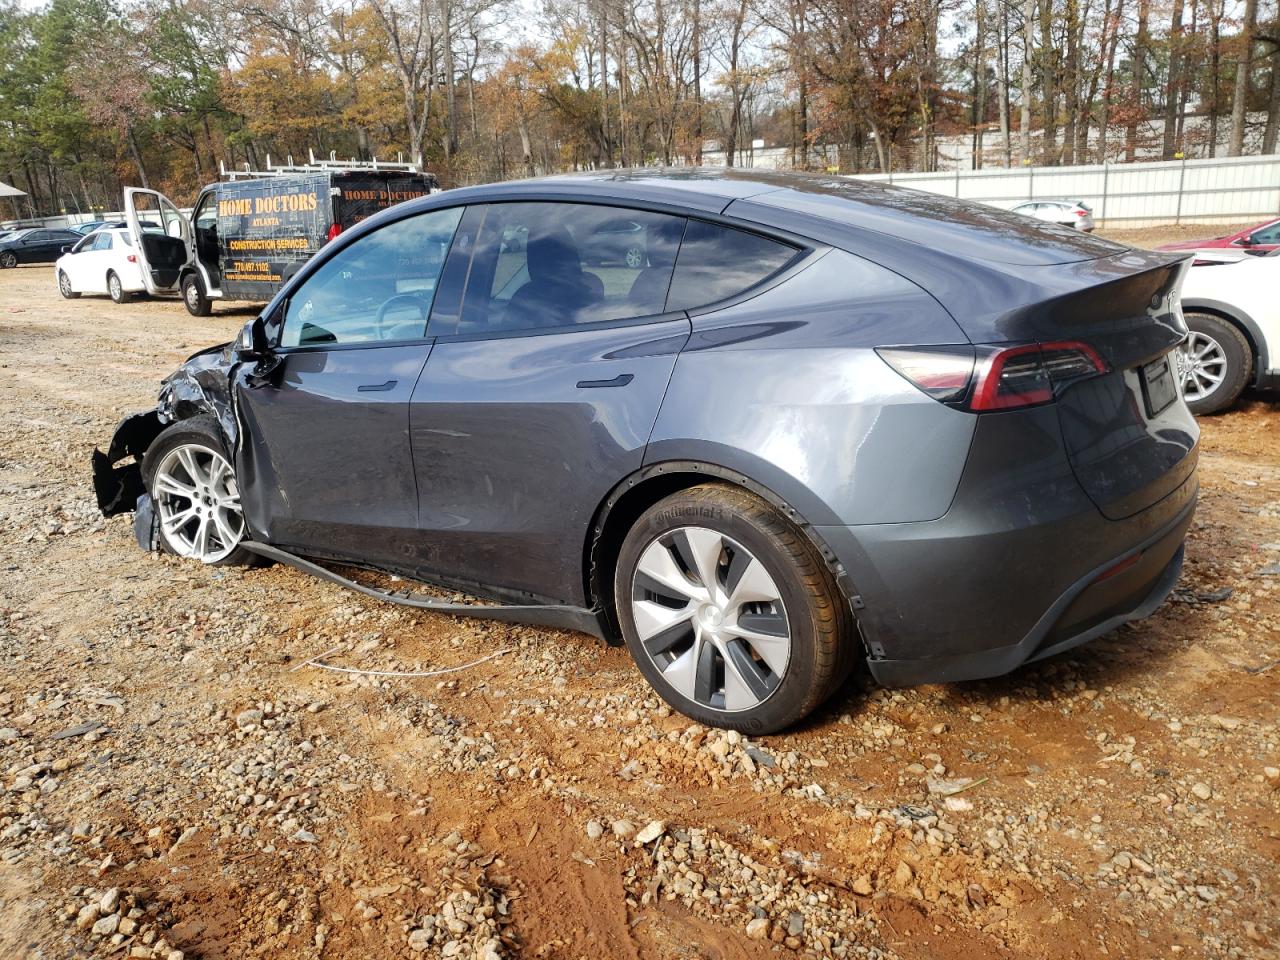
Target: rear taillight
(1082, 213)
(941, 372)
(132, 258)
(334, 230)
(1000, 378)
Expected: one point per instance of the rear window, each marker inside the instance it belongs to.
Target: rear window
(717, 262)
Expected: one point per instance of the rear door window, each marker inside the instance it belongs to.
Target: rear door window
(718, 262)
(539, 265)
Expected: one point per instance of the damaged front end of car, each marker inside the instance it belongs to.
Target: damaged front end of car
(200, 387)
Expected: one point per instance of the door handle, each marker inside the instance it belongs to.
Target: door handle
(377, 387)
(621, 380)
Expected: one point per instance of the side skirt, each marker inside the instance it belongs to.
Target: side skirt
(549, 615)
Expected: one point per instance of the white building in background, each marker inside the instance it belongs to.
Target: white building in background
(956, 152)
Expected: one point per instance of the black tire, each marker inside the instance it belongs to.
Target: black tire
(203, 431)
(193, 295)
(1234, 350)
(64, 286)
(822, 636)
(8, 260)
(116, 289)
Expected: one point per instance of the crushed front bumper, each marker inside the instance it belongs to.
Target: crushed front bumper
(119, 487)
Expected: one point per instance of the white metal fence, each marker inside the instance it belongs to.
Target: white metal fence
(1124, 194)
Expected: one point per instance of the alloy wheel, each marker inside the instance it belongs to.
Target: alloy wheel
(635, 258)
(114, 288)
(64, 284)
(8, 259)
(1202, 364)
(711, 618)
(195, 493)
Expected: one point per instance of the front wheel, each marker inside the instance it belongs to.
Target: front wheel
(730, 612)
(8, 259)
(64, 286)
(194, 296)
(192, 483)
(116, 289)
(1215, 363)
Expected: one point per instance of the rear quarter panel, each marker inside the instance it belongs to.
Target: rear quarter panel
(786, 389)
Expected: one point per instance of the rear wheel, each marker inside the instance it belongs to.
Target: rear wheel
(194, 296)
(729, 611)
(116, 289)
(1215, 363)
(192, 483)
(64, 286)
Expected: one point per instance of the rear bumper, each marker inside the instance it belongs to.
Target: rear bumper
(1022, 565)
(1091, 608)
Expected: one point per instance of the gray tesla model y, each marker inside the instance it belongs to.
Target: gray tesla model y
(811, 423)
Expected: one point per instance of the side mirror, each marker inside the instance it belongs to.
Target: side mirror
(1246, 241)
(252, 343)
(66, 248)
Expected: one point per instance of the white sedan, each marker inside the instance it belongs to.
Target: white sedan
(103, 262)
(1233, 312)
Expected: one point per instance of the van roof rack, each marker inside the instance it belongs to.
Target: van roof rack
(332, 165)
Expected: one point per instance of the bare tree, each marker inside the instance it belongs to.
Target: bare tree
(1244, 74)
(413, 45)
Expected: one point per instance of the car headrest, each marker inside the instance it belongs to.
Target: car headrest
(552, 255)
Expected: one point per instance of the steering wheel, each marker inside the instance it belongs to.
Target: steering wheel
(380, 320)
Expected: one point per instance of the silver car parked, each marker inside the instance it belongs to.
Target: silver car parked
(1068, 213)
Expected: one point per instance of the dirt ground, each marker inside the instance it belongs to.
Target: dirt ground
(176, 780)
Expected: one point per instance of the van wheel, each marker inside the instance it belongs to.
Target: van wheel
(116, 288)
(730, 612)
(191, 479)
(1215, 363)
(64, 286)
(193, 295)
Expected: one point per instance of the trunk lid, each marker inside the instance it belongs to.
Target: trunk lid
(1129, 436)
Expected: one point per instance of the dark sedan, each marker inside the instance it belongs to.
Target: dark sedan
(38, 245)
(818, 423)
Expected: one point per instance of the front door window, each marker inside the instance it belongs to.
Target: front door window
(379, 288)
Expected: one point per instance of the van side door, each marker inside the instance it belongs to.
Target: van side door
(161, 235)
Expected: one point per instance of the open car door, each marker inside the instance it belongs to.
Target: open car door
(161, 236)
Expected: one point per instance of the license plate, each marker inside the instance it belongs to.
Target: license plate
(1158, 386)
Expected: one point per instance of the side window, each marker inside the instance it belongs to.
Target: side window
(36, 236)
(716, 262)
(85, 245)
(540, 265)
(1268, 234)
(103, 242)
(207, 216)
(379, 288)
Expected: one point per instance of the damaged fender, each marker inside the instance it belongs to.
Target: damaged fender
(200, 387)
